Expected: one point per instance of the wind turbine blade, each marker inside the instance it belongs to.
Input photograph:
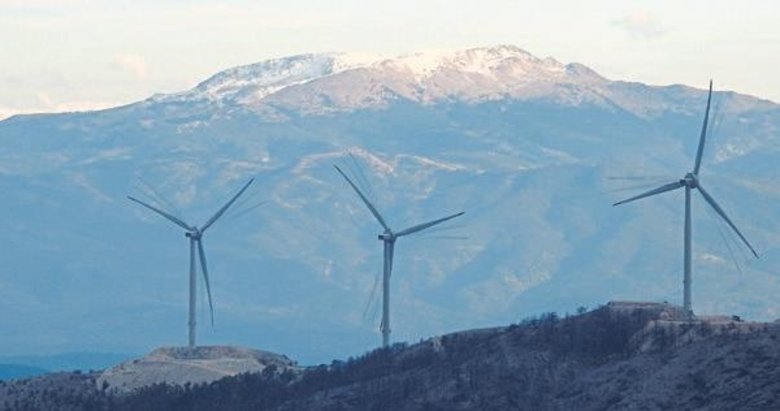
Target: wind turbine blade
(716, 119)
(154, 195)
(227, 205)
(725, 239)
(246, 210)
(449, 227)
(365, 200)
(420, 227)
(640, 177)
(634, 187)
(360, 176)
(371, 299)
(703, 137)
(206, 278)
(659, 190)
(243, 202)
(169, 216)
(722, 213)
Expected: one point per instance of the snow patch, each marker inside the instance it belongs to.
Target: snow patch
(118, 153)
(81, 180)
(434, 163)
(373, 160)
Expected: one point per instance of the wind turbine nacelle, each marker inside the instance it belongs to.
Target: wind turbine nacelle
(386, 236)
(690, 180)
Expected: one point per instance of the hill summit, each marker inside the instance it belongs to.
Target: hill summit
(184, 365)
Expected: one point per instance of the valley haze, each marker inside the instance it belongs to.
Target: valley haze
(529, 147)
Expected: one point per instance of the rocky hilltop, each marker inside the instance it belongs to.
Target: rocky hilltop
(183, 365)
(623, 355)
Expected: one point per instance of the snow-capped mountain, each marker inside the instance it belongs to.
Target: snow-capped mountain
(322, 83)
(318, 83)
(532, 149)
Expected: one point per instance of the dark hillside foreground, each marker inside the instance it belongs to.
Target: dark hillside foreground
(623, 355)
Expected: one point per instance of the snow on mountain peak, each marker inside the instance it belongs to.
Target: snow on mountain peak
(421, 76)
(259, 79)
(482, 60)
(269, 73)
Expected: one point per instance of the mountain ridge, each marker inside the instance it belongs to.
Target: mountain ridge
(473, 75)
(315, 83)
(534, 176)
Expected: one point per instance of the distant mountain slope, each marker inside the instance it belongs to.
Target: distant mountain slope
(528, 147)
(83, 361)
(16, 371)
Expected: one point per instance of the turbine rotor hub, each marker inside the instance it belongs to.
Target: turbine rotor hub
(690, 180)
(387, 236)
(194, 234)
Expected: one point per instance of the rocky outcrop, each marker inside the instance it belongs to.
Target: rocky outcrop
(182, 365)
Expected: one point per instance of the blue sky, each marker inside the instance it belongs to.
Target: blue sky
(80, 54)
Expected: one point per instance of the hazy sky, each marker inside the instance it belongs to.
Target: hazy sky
(76, 54)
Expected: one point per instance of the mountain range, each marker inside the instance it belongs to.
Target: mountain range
(535, 151)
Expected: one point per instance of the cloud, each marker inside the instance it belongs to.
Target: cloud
(38, 2)
(6, 112)
(69, 106)
(133, 63)
(641, 24)
(44, 99)
(46, 104)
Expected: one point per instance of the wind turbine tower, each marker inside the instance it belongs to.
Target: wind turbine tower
(691, 182)
(388, 238)
(195, 235)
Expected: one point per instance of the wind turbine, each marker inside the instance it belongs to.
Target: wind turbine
(389, 237)
(691, 182)
(195, 234)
